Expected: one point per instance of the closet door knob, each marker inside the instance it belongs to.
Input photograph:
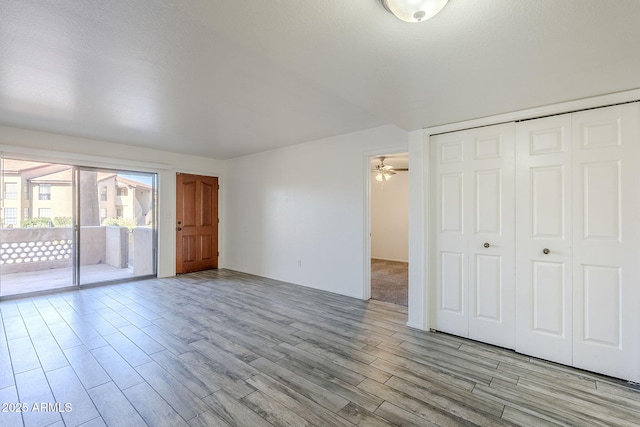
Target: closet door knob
(546, 251)
(486, 245)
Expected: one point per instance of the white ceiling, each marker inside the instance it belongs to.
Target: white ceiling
(397, 160)
(224, 78)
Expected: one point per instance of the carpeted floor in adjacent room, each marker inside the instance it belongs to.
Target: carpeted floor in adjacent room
(389, 281)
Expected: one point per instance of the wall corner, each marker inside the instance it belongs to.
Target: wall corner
(418, 226)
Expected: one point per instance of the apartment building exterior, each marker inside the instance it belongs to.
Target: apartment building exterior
(121, 197)
(41, 190)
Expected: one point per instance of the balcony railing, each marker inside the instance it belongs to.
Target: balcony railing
(35, 249)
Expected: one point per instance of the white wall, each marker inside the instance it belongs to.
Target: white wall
(86, 152)
(297, 214)
(390, 218)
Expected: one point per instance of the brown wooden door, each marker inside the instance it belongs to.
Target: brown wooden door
(196, 223)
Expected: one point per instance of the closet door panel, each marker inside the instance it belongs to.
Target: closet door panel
(491, 235)
(549, 293)
(451, 175)
(602, 306)
(606, 241)
(452, 204)
(547, 202)
(488, 288)
(543, 236)
(602, 200)
(452, 288)
(488, 195)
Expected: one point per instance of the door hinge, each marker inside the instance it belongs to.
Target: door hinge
(218, 253)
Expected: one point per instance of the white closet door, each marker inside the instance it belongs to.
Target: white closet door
(543, 238)
(606, 233)
(451, 175)
(474, 284)
(491, 235)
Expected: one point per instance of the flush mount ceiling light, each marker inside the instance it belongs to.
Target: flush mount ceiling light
(414, 10)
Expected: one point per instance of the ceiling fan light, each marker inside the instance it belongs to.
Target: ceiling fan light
(414, 10)
(382, 176)
(383, 172)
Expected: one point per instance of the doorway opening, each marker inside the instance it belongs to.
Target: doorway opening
(389, 230)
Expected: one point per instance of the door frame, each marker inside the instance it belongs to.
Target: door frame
(367, 157)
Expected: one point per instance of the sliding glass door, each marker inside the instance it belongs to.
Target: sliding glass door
(37, 239)
(63, 226)
(117, 225)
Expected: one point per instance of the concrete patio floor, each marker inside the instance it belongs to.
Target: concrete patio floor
(43, 280)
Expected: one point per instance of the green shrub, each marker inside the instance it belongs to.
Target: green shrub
(36, 223)
(120, 222)
(62, 221)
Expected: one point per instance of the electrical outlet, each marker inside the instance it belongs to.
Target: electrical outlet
(299, 263)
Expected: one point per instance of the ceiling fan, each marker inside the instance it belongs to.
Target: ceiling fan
(385, 172)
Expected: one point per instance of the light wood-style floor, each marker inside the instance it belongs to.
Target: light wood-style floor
(224, 348)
